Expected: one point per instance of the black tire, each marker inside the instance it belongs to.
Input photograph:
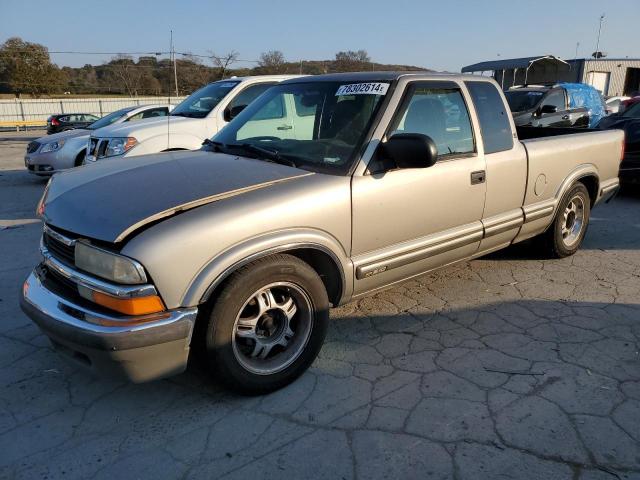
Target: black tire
(80, 159)
(226, 350)
(554, 241)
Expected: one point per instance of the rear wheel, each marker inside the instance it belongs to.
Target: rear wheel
(267, 325)
(566, 233)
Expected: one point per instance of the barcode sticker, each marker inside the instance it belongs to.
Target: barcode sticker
(363, 89)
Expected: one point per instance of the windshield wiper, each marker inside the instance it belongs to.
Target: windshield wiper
(217, 146)
(268, 154)
(187, 114)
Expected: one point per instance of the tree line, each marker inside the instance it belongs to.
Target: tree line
(26, 68)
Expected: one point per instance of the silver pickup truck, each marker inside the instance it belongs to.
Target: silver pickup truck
(238, 250)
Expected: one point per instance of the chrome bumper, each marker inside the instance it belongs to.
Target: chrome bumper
(140, 349)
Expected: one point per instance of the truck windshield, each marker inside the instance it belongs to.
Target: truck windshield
(520, 101)
(318, 126)
(201, 102)
(109, 119)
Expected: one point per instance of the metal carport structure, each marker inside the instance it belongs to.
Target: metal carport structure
(515, 64)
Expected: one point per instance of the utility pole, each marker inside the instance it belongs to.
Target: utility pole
(577, 47)
(175, 68)
(596, 53)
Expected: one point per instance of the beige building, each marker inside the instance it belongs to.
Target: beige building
(611, 76)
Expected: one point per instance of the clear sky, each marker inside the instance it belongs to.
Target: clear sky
(443, 35)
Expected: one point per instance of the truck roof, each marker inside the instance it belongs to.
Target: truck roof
(257, 77)
(378, 76)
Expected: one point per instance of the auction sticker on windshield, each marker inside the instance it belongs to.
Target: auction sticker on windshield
(363, 89)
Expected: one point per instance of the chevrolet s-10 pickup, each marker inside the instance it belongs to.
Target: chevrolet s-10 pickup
(323, 190)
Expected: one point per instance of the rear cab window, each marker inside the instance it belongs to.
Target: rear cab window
(495, 126)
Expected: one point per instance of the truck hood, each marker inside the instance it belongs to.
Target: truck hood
(110, 200)
(149, 127)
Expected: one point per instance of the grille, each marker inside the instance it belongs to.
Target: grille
(59, 250)
(93, 146)
(102, 149)
(32, 147)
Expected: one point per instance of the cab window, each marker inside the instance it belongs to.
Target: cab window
(249, 94)
(440, 113)
(555, 98)
(495, 127)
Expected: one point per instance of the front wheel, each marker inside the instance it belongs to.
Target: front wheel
(267, 325)
(566, 233)
(79, 159)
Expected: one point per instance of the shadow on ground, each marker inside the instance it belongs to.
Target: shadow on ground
(513, 389)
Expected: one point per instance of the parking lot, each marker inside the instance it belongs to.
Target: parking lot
(510, 366)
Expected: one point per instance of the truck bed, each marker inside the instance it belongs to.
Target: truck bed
(527, 133)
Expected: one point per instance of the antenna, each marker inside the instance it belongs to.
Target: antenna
(169, 97)
(577, 47)
(175, 68)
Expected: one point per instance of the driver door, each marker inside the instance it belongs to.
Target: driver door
(556, 99)
(408, 221)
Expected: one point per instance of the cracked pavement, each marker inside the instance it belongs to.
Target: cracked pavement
(509, 366)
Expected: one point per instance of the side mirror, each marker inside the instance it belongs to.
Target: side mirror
(548, 109)
(233, 112)
(411, 150)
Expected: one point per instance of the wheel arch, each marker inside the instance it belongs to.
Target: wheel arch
(592, 183)
(587, 174)
(323, 253)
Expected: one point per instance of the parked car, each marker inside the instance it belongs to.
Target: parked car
(613, 104)
(562, 105)
(48, 155)
(239, 249)
(69, 121)
(629, 122)
(627, 103)
(196, 118)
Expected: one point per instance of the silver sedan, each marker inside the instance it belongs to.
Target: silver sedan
(52, 153)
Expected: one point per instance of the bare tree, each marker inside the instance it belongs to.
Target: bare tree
(271, 62)
(124, 70)
(224, 62)
(350, 61)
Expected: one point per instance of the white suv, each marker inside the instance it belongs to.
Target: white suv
(201, 115)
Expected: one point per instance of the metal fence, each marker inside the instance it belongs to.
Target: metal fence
(21, 110)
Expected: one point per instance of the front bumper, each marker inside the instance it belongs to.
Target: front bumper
(138, 351)
(46, 164)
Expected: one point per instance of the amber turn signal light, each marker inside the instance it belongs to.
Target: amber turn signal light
(130, 306)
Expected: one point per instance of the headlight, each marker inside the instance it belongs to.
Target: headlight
(107, 265)
(118, 146)
(52, 146)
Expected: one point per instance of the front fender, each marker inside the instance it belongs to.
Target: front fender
(160, 143)
(228, 261)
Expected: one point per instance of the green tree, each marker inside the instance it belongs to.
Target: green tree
(351, 61)
(25, 67)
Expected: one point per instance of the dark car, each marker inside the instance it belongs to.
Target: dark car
(69, 121)
(629, 121)
(561, 105)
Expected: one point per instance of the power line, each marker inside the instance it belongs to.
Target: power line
(158, 53)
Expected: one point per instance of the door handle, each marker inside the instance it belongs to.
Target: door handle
(478, 177)
(565, 117)
(285, 127)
